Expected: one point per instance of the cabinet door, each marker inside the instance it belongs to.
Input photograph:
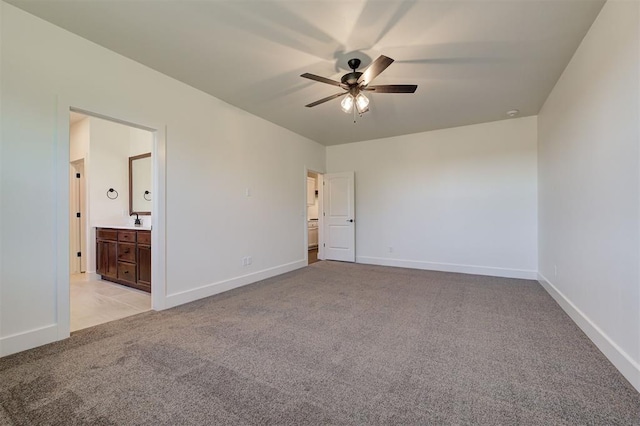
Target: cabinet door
(107, 262)
(313, 237)
(144, 265)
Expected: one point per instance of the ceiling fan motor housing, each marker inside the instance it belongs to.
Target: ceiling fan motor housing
(351, 78)
(354, 63)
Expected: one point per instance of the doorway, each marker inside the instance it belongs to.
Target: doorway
(339, 218)
(313, 216)
(101, 158)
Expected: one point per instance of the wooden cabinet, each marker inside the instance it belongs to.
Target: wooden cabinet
(124, 257)
(107, 264)
(144, 265)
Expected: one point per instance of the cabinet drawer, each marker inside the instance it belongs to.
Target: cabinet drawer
(129, 236)
(126, 252)
(107, 234)
(144, 237)
(127, 272)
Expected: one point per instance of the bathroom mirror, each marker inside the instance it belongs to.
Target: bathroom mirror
(140, 190)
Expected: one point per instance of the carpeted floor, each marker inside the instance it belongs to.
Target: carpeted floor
(332, 343)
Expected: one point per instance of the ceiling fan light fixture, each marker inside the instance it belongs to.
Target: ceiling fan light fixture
(362, 103)
(347, 103)
(355, 82)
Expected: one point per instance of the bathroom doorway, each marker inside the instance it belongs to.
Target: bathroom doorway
(110, 199)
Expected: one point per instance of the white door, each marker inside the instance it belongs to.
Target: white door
(339, 217)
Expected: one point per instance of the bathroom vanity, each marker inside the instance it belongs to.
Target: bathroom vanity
(123, 256)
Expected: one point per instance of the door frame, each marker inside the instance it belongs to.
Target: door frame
(80, 192)
(320, 215)
(64, 106)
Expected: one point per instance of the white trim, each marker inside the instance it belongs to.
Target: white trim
(158, 221)
(1, 187)
(306, 217)
(92, 276)
(629, 368)
(637, 384)
(450, 267)
(226, 285)
(321, 216)
(28, 339)
(61, 223)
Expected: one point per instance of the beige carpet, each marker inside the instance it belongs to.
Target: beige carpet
(332, 343)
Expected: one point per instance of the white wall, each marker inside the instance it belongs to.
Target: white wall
(588, 181)
(79, 135)
(140, 141)
(111, 145)
(213, 153)
(109, 168)
(460, 199)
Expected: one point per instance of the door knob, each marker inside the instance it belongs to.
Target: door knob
(349, 220)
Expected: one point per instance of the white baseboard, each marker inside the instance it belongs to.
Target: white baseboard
(629, 368)
(450, 267)
(41, 336)
(28, 339)
(176, 299)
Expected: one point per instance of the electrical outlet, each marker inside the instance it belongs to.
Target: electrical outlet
(390, 249)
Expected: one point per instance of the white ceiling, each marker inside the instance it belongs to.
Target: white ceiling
(472, 60)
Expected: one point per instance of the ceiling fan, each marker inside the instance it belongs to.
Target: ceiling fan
(355, 82)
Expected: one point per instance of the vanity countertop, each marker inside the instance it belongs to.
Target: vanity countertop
(131, 227)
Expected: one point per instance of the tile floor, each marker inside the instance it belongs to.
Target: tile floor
(94, 301)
